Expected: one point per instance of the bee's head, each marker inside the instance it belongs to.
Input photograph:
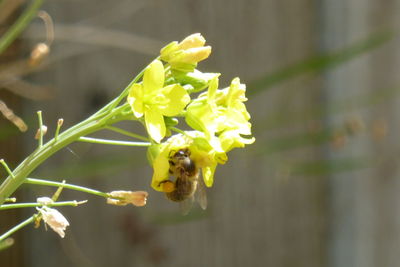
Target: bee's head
(181, 153)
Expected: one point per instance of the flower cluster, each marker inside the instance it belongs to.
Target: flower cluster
(218, 117)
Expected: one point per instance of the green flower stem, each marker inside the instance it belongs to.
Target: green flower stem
(121, 131)
(177, 130)
(17, 227)
(15, 30)
(124, 93)
(94, 123)
(108, 115)
(2, 161)
(39, 113)
(35, 204)
(64, 185)
(112, 142)
(59, 124)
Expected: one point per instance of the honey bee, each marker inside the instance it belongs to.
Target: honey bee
(187, 181)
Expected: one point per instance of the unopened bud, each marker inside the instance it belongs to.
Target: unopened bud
(123, 198)
(185, 55)
(39, 52)
(193, 40)
(192, 55)
(43, 129)
(60, 122)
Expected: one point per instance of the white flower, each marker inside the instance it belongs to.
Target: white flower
(54, 219)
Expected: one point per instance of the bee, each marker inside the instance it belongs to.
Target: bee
(187, 182)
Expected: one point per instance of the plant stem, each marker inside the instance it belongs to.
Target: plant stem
(19, 25)
(177, 130)
(17, 227)
(35, 204)
(94, 123)
(59, 124)
(121, 131)
(39, 113)
(108, 115)
(2, 161)
(112, 142)
(64, 185)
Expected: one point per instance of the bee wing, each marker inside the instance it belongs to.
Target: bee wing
(201, 194)
(186, 205)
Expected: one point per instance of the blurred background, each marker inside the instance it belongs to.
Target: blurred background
(320, 187)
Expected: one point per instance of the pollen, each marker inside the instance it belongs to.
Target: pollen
(168, 186)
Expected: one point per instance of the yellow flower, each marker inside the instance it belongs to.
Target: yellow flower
(202, 113)
(123, 198)
(231, 139)
(155, 101)
(205, 152)
(222, 113)
(185, 55)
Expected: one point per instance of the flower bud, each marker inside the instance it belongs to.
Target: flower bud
(39, 52)
(193, 40)
(123, 198)
(60, 122)
(185, 55)
(43, 129)
(191, 56)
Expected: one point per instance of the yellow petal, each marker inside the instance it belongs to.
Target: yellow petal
(191, 55)
(161, 167)
(153, 78)
(208, 174)
(193, 40)
(154, 123)
(135, 99)
(178, 99)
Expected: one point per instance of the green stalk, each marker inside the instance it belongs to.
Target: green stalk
(112, 142)
(121, 131)
(108, 115)
(115, 102)
(17, 227)
(6, 167)
(64, 185)
(35, 204)
(177, 130)
(40, 142)
(16, 29)
(88, 126)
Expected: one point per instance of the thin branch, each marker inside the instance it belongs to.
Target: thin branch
(16, 29)
(17, 227)
(112, 142)
(65, 185)
(73, 203)
(121, 131)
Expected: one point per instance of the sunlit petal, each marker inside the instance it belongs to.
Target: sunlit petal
(154, 123)
(153, 78)
(178, 99)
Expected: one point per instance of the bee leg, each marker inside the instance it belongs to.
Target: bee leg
(167, 186)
